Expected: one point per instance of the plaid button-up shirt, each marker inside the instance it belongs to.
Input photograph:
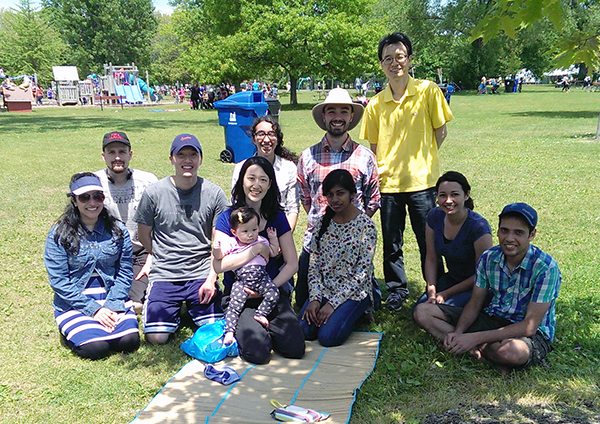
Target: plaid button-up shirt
(319, 160)
(536, 279)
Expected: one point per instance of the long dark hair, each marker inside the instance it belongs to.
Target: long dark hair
(271, 203)
(279, 149)
(70, 228)
(457, 177)
(337, 177)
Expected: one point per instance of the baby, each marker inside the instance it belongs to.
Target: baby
(253, 274)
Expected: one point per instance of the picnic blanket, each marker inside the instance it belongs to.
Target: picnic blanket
(326, 379)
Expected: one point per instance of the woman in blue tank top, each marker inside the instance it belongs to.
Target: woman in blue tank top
(457, 234)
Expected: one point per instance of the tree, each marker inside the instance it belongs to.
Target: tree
(165, 52)
(103, 31)
(441, 37)
(29, 46)
(245, 39)
(576, 21)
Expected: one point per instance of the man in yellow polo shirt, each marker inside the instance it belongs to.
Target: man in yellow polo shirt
(405, 125)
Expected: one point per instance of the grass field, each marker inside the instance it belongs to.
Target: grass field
(535, 146)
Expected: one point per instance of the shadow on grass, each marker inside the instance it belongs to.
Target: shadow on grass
(559, 114)
(511, 412)
(20, 124)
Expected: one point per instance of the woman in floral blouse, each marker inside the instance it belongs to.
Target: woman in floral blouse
(340, 274)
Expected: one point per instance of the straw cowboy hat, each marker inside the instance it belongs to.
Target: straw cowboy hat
(338, 96)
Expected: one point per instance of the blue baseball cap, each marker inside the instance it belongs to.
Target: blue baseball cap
(85, 184)
(524, 209)
(185, 140)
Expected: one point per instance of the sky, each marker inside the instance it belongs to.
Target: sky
(160, 5)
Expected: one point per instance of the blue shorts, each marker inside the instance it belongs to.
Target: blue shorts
(163, 305)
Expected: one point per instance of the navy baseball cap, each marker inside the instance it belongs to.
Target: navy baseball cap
(185, 140)
(524, 209)
(115, 136)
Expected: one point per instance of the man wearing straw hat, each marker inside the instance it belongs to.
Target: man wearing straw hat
(337, 115)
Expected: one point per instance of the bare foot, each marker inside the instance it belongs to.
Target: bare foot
(229, 338)
(476, 353)
(263, 320)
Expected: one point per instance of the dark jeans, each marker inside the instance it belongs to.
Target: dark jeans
(393, 223)
(340, 324)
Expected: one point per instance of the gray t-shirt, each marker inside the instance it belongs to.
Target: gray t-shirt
(122, 202)
(182, 223)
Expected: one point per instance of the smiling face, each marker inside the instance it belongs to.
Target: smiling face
(256, 182)
(400, 61)
(117, 156)
(186, 162)
(339, 198)
(90, 210)
(451, 197)
(514, 237)
(246, 233)
(264, 142)
(337, 119)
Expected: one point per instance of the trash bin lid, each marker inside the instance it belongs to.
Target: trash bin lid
(247, 100)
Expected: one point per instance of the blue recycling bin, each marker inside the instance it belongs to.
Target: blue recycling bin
(237, 113)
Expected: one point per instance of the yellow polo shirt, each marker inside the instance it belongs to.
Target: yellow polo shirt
(404, 132)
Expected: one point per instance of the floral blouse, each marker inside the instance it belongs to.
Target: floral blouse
(342, 268)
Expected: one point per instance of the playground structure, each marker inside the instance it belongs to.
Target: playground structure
(17, 99)
(123, 82)
(65, 84)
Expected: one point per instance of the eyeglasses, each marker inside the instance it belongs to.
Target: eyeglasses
(98, 196)
(388, 59)
(262, 134)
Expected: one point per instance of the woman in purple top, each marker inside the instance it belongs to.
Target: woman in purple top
(256, 187)
(457, 234)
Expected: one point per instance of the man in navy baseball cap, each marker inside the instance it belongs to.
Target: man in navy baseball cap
(175, 223)
(516, 329)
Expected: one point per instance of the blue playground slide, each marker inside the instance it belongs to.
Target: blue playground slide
(120, 91)
(131, 92)
(144, 88)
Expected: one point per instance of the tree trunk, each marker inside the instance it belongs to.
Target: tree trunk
(293, 92)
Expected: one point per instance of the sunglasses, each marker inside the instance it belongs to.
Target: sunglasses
(85, 197)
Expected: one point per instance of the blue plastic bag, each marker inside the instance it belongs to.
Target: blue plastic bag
(207, 343)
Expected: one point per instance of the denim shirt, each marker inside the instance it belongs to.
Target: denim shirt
(99, 251)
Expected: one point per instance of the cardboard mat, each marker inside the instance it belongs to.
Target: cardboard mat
(326, 379)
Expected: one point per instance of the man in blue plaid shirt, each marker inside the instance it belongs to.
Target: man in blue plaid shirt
(516, 328)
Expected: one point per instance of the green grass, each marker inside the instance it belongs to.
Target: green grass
(535, 146)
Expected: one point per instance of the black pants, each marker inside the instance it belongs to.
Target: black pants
(393, 223)
(283, 334)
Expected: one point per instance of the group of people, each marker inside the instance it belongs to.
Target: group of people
(129, 242)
